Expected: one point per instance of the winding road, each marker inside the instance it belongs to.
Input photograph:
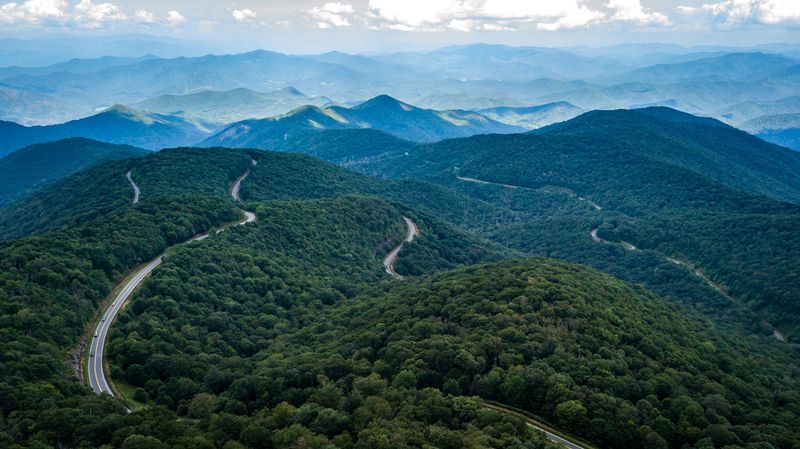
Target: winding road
(597, 239)
(96, 364)
(135, 188)
(509, 186)
(778, 335)
(237, 185)
(391, 258)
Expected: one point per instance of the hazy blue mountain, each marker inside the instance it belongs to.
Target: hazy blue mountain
(729, 67)
(500, 62)
(780, 129)
(535, 116)
(77, 65)
(120, 125)
(742, 112)
(230, 106)
(57, 49)
(382, 113)
(31, 167)
(462, 77)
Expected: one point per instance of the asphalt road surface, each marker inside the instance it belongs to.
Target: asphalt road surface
(95, 365)
(509, 186)
(237, 185)
(391, 258)
(135, 188)
(97, 377)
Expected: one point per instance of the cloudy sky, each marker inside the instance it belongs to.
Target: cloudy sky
(386, 25)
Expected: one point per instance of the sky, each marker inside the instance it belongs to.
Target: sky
(306, 26)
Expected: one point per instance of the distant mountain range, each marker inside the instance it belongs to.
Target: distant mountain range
(119, 125)
(535, 116)
(705, 81)
(781, 129)
(223, 107)
(382, 113)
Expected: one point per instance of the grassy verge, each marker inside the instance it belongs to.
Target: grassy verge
(125, 391)
(535, 420)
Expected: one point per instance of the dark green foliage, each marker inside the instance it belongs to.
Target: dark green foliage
(650, 168)
(51, 286)
(185, 171)
(766, 247)
(29, 168)
(591, 354)
(72, 201)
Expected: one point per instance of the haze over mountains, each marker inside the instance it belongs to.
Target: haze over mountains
(704, 81)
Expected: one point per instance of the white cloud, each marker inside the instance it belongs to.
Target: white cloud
(332, 14)
(34, 11)
(759, 11)
(95, 15)
(84, 13)
(243, 15)
(175, 18)
(144, 16)
(633, 11)
(505, 15)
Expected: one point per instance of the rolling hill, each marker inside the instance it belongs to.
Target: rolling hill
(535, 116)
(285, 333)
(27, 169)
(674, 185)
(119, 125)
(382, 113)
(780, 129)
(223, 107)
(729, 67)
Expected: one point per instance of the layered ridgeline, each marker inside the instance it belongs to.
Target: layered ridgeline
(781, 129)
(533, 117)
(101, 189)
(119, 125)
(30, 168)
(645, 169)
(223, 107)
(382, 113)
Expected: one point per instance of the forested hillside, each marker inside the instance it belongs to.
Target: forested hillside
(589, 353)
(297, 254)
(28, 169)
(651, 167)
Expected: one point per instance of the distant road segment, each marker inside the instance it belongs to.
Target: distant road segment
(391, 258)
(135, 187)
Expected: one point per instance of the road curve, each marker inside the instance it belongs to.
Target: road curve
(237, 185)
(597, 239)
(391, 258)
(509, 186)
(95, 365)
(536, 425)
(778, 335)
(135, 188)
(97, 377)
